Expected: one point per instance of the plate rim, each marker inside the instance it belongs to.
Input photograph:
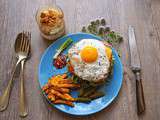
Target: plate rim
(79, 114)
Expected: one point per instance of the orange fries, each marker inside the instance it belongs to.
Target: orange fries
(58, 89)
(59, 101)
(67, 85)
(63, 90)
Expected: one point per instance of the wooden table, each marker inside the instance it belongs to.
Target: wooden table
(144, 15)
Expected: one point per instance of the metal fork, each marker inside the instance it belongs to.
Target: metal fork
(24, 52)
(21, 52)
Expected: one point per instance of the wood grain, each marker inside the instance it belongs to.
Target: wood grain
(144, 15)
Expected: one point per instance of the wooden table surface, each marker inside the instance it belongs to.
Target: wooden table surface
(144, 15)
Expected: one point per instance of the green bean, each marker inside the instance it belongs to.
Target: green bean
(97, 84)
(96, 95)
(90, 91)
(81, 92)
(82, 99)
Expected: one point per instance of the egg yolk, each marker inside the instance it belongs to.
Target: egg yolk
(109, 53)
(89, 54)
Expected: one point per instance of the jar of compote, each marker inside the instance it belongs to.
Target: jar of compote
(51, 23)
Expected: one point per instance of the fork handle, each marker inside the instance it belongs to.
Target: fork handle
(139, 94)
(6, 95)
(22, 106)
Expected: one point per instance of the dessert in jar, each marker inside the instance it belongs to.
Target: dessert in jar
(51, 22)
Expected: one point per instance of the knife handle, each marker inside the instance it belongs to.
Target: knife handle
(139, 94)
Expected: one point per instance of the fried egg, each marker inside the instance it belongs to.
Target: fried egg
(90, 59)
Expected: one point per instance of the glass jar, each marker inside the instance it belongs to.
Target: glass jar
(51, 23)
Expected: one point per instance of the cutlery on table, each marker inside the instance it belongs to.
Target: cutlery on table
(4, 100)
(136, 68)
(24, 53)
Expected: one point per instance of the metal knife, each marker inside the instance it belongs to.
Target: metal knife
(136, 68)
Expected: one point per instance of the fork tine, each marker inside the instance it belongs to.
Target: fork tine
(29, 41)
(26, 42)
(29, 38)
(22, 42)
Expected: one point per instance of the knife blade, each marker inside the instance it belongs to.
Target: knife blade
(136, 68)
(134, 56)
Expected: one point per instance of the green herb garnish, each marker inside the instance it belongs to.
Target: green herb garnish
(99, 28)
(75, 79)
(97, 95)
(82, 99)
(103, 22)
(84, 29)
(97, 22)
(63, 47)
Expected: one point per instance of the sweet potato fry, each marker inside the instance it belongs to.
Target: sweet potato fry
(69, 97)
(62, 96)
(51, 97)
(62, 90)
(57, 94)
(52, 81)
(59, 101)
(64, 76)
(61, 79)
(47, 91)
(65, 81)
(67, 85)
(45, 87)
(58, 89)
(56, 97)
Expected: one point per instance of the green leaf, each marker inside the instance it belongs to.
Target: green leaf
(101, 31)
(107, 29)
(75, 79)
(84, 29)
(103, 22)
(97, 22)
(93, 23)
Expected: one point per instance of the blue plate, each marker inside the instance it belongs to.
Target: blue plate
(46, 70)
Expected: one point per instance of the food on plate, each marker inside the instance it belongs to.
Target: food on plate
(51, 22)
(97, 94)
(82, 99)
(60, 101)
(58, 89)
(100, 28)
(90, 91)
(90, 60)
(63, 47)
(89, 63)
(60, 60)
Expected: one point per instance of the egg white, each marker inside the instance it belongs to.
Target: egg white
(94, 71)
